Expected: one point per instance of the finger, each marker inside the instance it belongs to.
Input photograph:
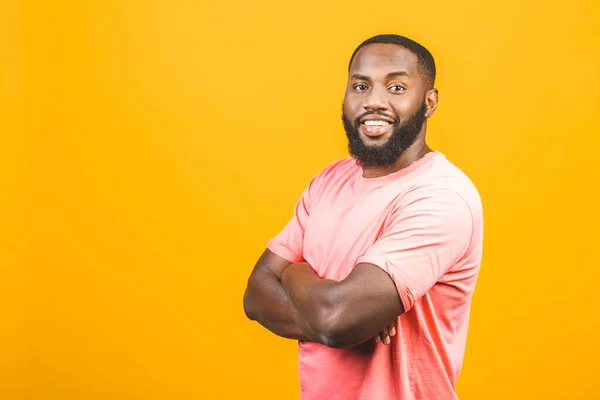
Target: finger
(385, 336)
(379, 338)
(392, 330)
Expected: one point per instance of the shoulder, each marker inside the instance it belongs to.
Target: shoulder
(449, 199)
(446, 183)
(339, 167)
(338, 172)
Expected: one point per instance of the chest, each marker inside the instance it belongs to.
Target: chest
(343, 225)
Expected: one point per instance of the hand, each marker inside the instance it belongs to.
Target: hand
(385, 334)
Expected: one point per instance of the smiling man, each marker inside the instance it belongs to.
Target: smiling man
(375, 272)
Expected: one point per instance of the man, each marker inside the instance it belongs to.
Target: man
(375, 272)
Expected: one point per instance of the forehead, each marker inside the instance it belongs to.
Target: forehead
(381, 58)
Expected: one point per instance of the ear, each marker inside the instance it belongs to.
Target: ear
(431, 99)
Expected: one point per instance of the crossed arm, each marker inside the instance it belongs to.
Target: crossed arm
(292, 301)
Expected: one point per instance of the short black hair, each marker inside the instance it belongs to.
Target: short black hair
(425, 59)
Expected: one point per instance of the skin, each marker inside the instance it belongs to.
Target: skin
(266, 301)
(385, 78)
(291, 300)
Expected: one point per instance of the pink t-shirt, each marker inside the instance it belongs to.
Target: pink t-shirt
(423, 225)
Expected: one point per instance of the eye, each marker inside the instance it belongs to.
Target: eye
(360, 87)
(397, 88)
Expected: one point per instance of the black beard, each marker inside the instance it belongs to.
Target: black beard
(403, 136)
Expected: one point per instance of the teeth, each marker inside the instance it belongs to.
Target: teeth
(376, 122)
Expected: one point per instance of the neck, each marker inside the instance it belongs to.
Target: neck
(412, 154)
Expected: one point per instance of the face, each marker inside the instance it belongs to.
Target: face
(386, 103)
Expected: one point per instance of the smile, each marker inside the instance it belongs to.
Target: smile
(376, 122)
(375, 128)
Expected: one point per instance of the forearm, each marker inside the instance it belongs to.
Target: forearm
(310, 329)
(308, 300)
(266, 302)
(337, 314)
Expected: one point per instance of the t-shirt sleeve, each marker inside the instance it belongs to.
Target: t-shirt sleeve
(422, 240)
(289, 243)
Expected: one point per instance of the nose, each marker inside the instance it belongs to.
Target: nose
(376, 101)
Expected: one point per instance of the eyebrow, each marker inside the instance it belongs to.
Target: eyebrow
(360, 77)
(397, 73)
(388, 76)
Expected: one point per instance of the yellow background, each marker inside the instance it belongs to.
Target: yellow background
(149, 149)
